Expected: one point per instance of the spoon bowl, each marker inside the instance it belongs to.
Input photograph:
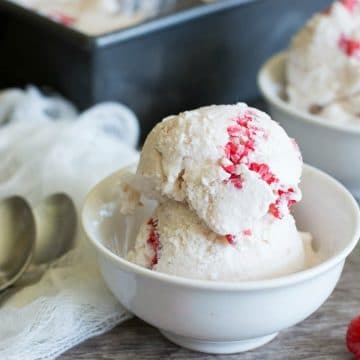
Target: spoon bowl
(56, 225)
(17, 239)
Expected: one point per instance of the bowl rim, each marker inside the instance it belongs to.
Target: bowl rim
(265, 73)
(232, 286)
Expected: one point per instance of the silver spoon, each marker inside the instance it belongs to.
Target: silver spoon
(56, 224)
(56, 227)
(17, 239)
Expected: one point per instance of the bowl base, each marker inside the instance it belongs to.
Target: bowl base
(218, 347)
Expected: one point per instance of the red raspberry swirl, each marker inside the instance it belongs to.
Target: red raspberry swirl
(154, 241)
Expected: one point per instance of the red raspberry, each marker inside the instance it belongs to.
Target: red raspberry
(353, 337)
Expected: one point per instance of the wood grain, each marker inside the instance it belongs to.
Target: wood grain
(320, 337)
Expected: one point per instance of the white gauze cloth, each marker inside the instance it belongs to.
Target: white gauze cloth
(47, 147)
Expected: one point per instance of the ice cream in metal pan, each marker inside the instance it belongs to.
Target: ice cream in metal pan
(94, 17)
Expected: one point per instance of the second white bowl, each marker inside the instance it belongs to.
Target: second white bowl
(329, 146)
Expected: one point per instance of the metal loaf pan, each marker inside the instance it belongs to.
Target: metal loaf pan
(197, 55)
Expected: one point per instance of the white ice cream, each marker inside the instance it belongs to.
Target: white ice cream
(224, 178)
(175, 241)
(323, 64)
(231, 164)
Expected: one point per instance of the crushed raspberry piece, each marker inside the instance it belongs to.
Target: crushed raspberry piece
(283, 195)
(291, 203)
(274, 210)
(62, 18)
(241, 143)
(350, 4)
(154, 241)
(353, 337)
(236, 180)
(247, 232)
(229, 168)
(351, 47)
(234, 131)
(230, 239)
(264, 171)
(286, 192)
(230, 149)
(242, 134)
(244, 120)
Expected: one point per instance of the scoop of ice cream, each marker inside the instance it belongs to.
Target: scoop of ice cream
(230, 163)
(175, 241)
(323, 63)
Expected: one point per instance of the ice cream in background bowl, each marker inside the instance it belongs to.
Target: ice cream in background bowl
(199, 239)
(313, 90)
(323, 64)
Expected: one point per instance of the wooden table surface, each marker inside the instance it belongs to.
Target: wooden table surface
(319, 337)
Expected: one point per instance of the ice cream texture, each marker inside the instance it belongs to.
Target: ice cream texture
(323, 64)
(175, 241)
(224, 178)
(231, 164)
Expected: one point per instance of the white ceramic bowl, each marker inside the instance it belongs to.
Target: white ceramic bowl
(330, 146)
(225, 317)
